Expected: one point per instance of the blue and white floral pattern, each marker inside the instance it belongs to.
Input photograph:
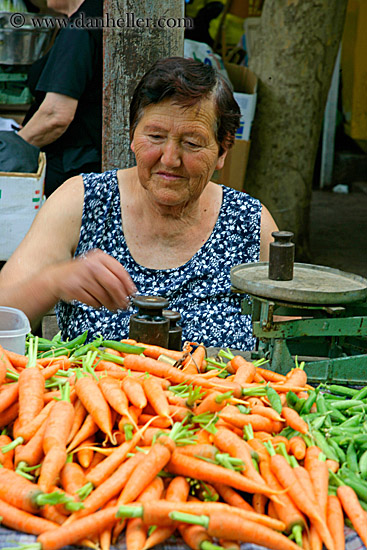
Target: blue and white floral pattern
(200, 289)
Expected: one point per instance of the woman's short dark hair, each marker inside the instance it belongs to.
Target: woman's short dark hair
(187, 82)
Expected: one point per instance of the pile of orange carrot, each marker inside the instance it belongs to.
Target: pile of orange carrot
(136, 441)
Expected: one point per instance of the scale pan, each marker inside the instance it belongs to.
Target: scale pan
(311, 284)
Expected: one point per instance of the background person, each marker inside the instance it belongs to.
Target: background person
(65, 120)
(161, 227)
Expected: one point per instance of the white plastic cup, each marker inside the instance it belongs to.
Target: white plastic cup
(14, 327)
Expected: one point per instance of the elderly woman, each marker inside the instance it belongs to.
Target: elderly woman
(160, 228)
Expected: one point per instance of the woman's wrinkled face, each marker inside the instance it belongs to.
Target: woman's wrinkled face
(176, 151)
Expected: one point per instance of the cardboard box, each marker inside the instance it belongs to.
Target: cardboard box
(245, 91)
(21, 197)
(234, 169)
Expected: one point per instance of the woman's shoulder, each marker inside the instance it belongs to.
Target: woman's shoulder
(240, 201)
(100, 185)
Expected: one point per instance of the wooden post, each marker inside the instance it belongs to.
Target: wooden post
(293, 56)
(136, 34)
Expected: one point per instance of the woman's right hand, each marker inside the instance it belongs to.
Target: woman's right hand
(96, 279)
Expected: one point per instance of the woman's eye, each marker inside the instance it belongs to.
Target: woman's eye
(155, 136)
(192, 144)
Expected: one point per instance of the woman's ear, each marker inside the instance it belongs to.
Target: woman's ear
(220, 161)
(132, 146)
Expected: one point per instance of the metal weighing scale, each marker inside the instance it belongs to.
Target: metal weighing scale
(330, 329)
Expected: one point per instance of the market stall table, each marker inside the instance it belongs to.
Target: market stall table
(9, 539)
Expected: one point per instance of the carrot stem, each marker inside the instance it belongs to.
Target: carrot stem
(202, 520)
(297, 534)
(207, 545)
(126, 511)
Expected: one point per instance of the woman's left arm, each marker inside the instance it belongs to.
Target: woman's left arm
(268, 225)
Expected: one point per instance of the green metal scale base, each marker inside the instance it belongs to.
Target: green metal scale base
(328, 325)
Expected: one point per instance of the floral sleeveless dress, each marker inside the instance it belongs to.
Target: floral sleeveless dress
(200, 289)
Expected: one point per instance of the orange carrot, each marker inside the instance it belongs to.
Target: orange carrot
(259, 501)
(31, 453)
(312, 452)
(286, 476)
(319, 475)
(269, 412)
(88, 428)
(115, 396)
(150, 434)
(195, 361)
(69, 534)
(5, 364)
(19, 520)
(163, 370)
(58, 426)
(72, 477)
(225, 525)
(297, 447)
(305, 540)
(130, 421)
(136, 530)
(110, 488)
(231, 443)
(16, 359)
(158, 512)
(353, 510)
(31, 389)
(105, 469)
(189, 466)
(156, 459)
(85, 453)
(270, 375)
(28, 431)
(285, 508)
(155, 351)
(177, 491)
(156, 421)
(52, 463)
(245, 370)
(59, 423)
(294, 420)
(156, 396)
(314, 538)
(134, 391)
(204, 450)
(335, 521)
(93, 400)
(296, 377)
(105, 535)
(193, 535)
(8, 395)
(6, 460)
(135, 534)
(277, 439)
(230, 496)
(229, 544)
(332, 465)
(80, 413)
(18, 491)
(213, 402)
(9, 415)
(233, 416)
(52, 513)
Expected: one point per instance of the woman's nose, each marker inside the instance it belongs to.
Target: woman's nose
(171, 155)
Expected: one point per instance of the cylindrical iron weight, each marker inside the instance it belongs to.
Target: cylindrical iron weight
(281, 256)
